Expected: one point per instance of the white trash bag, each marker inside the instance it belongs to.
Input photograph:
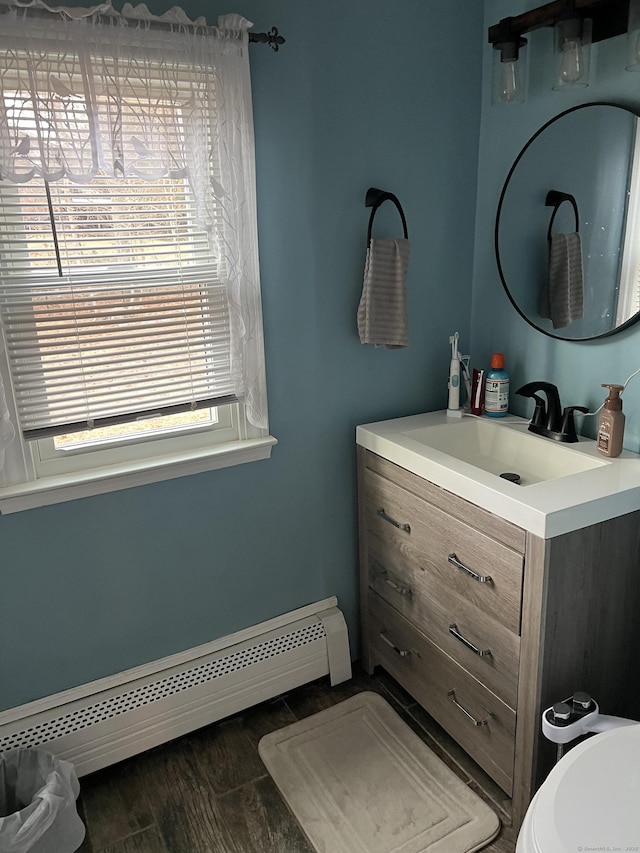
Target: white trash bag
(38, 795)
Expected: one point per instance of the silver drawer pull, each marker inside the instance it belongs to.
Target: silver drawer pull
(453, 629)
(480, 578)
(401, 590)
(402, 652)
(452, 695)
(383, 514)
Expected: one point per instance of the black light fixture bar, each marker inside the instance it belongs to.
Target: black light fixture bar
(610, 18)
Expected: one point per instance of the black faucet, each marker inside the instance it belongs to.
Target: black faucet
(550, 420)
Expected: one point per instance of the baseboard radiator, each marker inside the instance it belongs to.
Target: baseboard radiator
(114, 718)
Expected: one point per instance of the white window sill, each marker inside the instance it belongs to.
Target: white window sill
(98, 481)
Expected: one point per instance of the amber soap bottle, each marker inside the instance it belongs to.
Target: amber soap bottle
(611, 423)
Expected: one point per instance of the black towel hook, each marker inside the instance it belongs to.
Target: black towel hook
(374, 198)
(554, 199)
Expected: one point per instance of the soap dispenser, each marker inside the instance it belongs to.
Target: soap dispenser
(611, 423)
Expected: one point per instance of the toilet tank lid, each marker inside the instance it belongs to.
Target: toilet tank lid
(590, 799)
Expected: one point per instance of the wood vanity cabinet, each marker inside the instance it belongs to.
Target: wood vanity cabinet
(485, 625)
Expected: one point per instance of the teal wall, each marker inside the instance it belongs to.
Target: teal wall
(577, 368)
(365, 92)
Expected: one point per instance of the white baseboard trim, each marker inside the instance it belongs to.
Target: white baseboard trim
(105, 721)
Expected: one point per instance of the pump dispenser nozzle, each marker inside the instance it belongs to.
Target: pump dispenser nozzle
(611, 422)
(613, 401)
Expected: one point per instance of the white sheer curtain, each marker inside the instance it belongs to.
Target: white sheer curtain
(91, 91)
(7, 430)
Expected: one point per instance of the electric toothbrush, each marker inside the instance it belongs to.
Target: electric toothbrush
(453, 403)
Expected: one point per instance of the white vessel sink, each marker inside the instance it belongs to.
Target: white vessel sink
(502, 449)
(563, 487)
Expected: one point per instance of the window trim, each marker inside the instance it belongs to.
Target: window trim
(28, 491)
(97, 481)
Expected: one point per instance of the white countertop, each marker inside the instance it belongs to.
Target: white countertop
(549, 508)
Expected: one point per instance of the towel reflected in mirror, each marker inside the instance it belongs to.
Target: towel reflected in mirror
(562, 298)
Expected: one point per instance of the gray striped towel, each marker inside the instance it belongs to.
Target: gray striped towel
(564, 300)
(382, 312)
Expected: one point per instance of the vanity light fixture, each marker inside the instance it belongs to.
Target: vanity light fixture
(576, 24)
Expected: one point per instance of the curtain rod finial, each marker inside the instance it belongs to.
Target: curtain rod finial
(272, 38)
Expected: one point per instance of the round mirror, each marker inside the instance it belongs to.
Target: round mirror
(567, 234)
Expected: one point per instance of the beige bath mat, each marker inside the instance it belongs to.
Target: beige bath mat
(360, 781)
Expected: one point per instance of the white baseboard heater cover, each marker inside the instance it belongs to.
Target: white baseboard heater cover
(103, 722)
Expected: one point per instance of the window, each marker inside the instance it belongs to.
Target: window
(629, 289)
(129, 293)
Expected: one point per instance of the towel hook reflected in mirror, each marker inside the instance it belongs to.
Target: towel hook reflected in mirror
(554, 199)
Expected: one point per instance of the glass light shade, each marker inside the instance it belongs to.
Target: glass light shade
(572, 38)
(510, 74)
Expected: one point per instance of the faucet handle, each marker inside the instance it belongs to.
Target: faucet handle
(539, 416)
(568, 431)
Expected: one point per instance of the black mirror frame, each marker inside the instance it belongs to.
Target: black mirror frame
(622, 326)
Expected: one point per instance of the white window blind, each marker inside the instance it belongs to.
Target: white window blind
(111, 303)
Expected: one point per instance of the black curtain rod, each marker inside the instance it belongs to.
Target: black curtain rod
(272, 38)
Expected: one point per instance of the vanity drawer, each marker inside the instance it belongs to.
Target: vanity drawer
(482, 724)
(437, 616)
(504, 531)
(406, 532)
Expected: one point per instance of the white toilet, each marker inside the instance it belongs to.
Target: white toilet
(590, 800)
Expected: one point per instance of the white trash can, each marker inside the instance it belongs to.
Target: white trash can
(38, 795)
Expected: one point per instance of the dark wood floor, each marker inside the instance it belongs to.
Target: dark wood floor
(208, 792)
